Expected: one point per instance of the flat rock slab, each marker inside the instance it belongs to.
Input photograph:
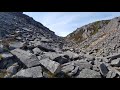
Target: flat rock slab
(87, 73)
(52, 66)
(25, 57)
(111, 74)
(34, 72)
(43, 46)
(51, 55)
(116, 62)
(67, 68)
(83, 64)
(58, 57)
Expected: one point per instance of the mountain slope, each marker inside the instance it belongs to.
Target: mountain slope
(14, 21)
(18, 26)
(100, 41)
(82, 33)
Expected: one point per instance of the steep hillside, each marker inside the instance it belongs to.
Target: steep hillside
(82, 33)
(11, 22)
(100, 38)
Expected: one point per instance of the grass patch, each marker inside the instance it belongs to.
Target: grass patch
(49, 74)
(77, 37)
(3, 73)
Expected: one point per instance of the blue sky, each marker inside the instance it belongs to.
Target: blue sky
(63, 23)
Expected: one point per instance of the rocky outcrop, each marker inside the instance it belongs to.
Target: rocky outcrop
(30, 50)
(34, 72)
(28, 59)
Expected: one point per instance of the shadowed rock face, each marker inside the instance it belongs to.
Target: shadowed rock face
(17, 21)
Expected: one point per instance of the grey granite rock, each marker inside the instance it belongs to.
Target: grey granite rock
(116, 62)
(52, 66)
(37, 51)
(25, 57)
(111, 74)
(34, 72)
(87, 73)
(51, 55)
(6, 55)
(16, 44)
(95, 68)
(83, 65)
(70, 69)
(71, 55)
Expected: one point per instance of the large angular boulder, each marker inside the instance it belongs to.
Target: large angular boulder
(52, 66)
(43, 46)
(27, 58)
(34, 72)
(46, 48)
(69, 69)
(83, 64)
(116, 62)
(87, 73)
(58, 57)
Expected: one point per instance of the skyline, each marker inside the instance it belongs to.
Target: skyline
(64, 23)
